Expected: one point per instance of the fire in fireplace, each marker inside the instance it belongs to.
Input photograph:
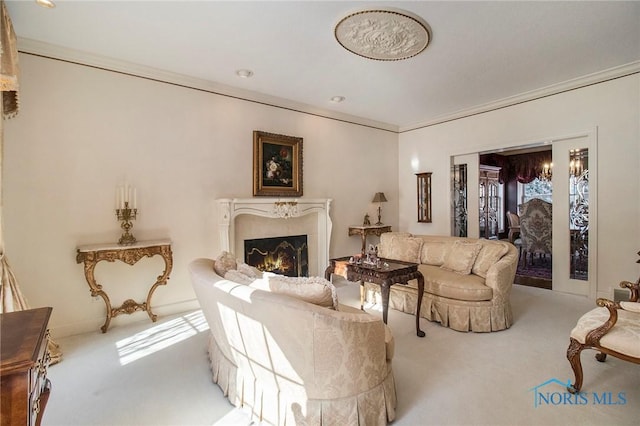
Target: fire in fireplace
(282, 255)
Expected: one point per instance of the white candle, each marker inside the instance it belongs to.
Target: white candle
(135, 198)
(121, 197)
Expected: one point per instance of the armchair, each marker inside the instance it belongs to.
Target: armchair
(612, 329)
(535, 227)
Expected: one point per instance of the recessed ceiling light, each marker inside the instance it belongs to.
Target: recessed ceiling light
(244, 73)
(337, 99)
(46, 3)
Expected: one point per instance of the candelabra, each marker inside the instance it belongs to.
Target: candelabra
(126, 215)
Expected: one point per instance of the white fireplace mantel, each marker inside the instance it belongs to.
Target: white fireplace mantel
(275, 208)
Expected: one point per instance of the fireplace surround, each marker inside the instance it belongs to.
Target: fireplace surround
(281, 211)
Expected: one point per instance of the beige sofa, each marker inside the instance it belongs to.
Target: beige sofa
(289, 361)
(467, 281)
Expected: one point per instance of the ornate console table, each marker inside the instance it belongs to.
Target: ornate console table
(130, 254)
(365, 230)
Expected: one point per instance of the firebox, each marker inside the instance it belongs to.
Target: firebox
(282, 255)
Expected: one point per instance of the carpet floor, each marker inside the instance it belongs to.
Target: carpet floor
(157, 373)
(540, 269)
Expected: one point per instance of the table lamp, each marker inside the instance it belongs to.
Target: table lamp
(379, 198)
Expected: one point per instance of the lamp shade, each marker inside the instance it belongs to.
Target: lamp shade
(379, 198)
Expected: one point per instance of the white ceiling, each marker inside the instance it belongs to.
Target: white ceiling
(481, 53)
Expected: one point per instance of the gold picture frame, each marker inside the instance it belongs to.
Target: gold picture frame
(277, 165)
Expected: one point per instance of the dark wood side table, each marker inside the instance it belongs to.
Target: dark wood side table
(366, 230)
(131, 254)
(392, 272)
(24, 359)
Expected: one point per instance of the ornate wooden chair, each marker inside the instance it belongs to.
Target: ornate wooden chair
(514, 226)
(612, 329)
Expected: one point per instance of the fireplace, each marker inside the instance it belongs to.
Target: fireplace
(282, 255)
(252, 218)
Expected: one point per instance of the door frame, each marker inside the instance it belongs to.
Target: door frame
(472, 161)
(561, 238)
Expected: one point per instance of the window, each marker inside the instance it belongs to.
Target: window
(535, 189)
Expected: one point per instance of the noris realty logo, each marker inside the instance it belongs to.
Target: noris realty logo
(546, 394)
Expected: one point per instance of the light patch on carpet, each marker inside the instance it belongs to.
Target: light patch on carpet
(161, 336)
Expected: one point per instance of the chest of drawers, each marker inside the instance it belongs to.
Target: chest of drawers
(24, 359)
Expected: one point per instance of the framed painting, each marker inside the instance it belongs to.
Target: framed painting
(277, 165)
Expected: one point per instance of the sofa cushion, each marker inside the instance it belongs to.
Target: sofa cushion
(444, 283)
(461, 257)
(224, 263)
(491, 252)
(314, 290)
(387, 239)
(238, 277)
(406, 249)
(434, 252)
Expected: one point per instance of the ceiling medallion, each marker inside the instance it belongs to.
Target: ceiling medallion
(384, 35)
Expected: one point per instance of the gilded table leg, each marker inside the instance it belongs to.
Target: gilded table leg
(107, 302)
(167, 255)
(90, 261)
(361, 295)
(419, 332)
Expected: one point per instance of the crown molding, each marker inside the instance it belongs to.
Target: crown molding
(39, 48)
(51, 51)
(554, 89)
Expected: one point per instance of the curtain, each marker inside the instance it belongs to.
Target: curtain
(9, 65)
(523, 168)
(11, 298)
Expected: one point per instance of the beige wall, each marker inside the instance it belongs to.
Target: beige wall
(81, 131)
(613, 108)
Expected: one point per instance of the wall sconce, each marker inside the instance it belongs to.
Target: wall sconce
(379, 198)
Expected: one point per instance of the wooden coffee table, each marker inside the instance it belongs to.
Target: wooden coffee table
(391, 272)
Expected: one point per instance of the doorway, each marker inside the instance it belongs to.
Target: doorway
(523, 175)
(572, 176)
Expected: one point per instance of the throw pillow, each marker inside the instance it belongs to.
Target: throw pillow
(406, 249)
(225, 262)
(314, 290)
(491, 252)
(238, 277)
(249, 270)
(461, 257)
(433, 252)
